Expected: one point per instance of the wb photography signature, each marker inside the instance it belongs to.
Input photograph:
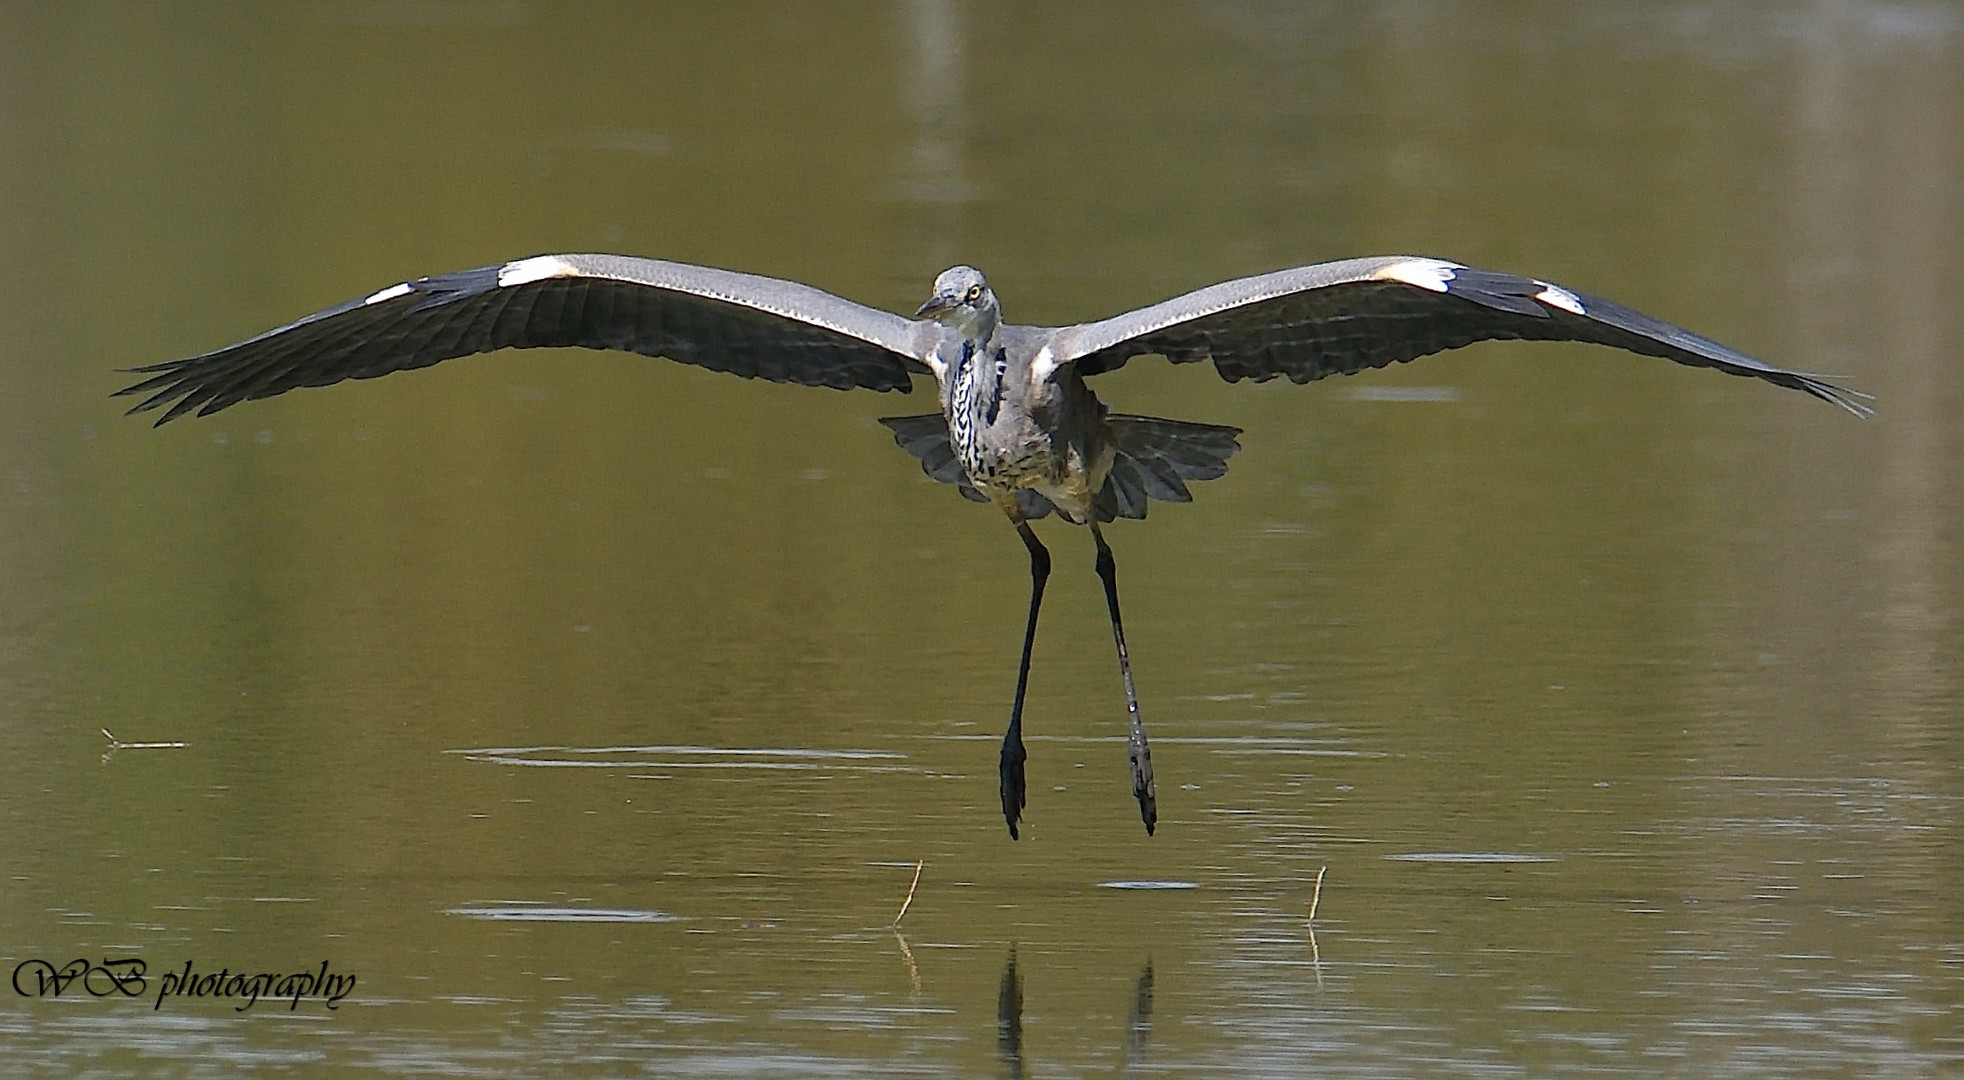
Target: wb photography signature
(130, 978)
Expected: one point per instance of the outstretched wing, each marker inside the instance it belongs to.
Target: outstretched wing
(1338, 318)
(757, 327)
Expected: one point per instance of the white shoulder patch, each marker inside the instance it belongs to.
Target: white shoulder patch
(1557, 297)
(1043, 365)
(1429, 274)
(536, 268)
(391, 293)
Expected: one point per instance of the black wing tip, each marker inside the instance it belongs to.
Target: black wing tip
(149, 369)
(150, 404)
(1855, 402)
(180, 393)
(143, 407)
(166, 384)
(158, 375)
(173, 382)
(1511, 293)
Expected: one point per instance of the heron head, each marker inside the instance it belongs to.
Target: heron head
(962, 300)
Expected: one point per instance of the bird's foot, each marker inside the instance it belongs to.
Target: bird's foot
(1013, 789)
(1140, 755)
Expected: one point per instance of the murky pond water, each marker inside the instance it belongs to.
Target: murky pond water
(593, 713)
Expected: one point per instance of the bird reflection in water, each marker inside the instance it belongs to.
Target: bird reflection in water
(1009, 1021)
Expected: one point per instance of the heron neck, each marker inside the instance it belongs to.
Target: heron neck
(979, 329)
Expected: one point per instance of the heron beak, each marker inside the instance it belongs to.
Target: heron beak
(936, 306)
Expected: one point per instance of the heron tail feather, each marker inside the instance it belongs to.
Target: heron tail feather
(1154, 460)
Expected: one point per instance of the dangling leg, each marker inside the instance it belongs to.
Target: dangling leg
(1013, 756)
(1136, 749)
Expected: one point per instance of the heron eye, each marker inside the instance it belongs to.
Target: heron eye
(974, 293)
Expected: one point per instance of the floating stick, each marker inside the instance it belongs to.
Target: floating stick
(909, 902)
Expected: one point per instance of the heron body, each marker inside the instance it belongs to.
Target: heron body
(1018, 424)
(1012, 427)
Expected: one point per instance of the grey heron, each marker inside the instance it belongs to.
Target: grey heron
(1018, 425)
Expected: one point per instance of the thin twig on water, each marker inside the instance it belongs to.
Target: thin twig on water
(1316, 954)
(909, 902)
(116, 744)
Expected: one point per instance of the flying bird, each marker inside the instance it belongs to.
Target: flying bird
(1018, 425)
